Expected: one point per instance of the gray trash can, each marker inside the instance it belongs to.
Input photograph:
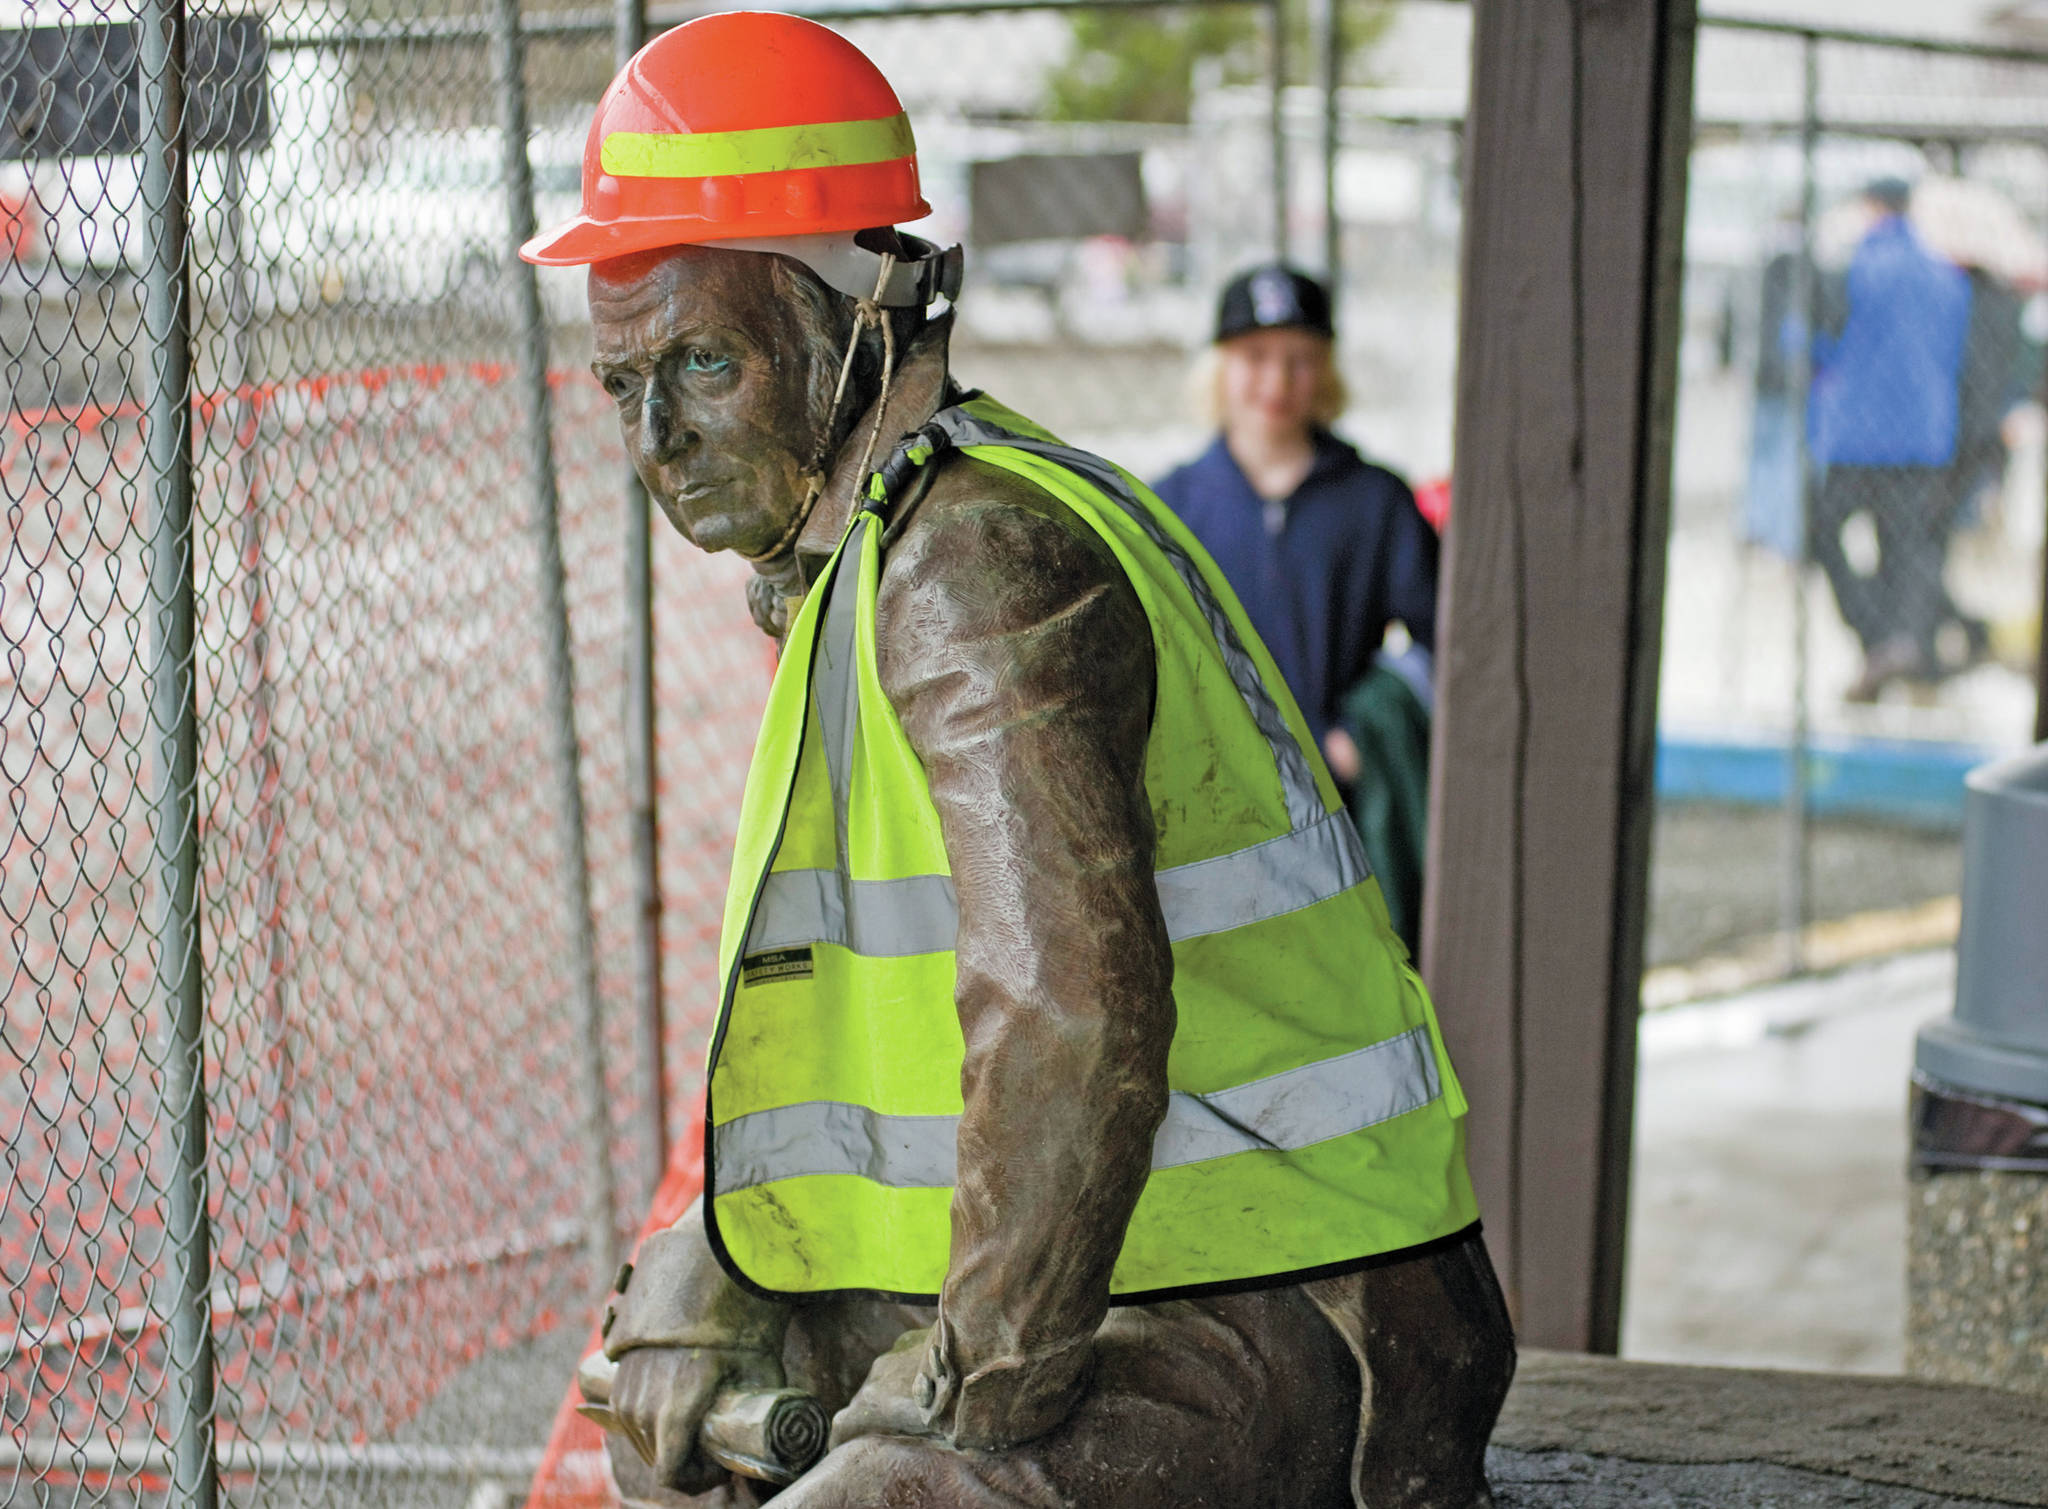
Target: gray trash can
(1995, 1047)
(1976, 1285)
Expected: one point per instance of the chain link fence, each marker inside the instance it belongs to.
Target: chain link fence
(341, 960)
(1853, 615)
(323, 1074)
(324, 1068)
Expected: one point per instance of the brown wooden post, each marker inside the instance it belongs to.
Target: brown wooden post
(1576, 143)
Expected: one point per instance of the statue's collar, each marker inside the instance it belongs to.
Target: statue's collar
(918, 390)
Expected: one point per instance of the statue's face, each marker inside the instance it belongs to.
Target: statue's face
(708, 365)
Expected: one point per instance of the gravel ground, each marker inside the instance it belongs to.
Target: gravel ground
(1716, 872)
(504, 1399)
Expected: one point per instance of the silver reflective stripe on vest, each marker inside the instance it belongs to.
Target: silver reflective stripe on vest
(1298, 1108)
(1283, 1112)
(1263, 880)
(832, 677)
(1304, 801)
(878, 919)
(830, 906)
(833, 1137)
(920, 914)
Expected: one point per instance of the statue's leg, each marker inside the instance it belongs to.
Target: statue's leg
(1437, 1352)
(1243, 1402)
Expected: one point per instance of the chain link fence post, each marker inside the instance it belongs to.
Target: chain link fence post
(642, 796)
(537, 414)
(174, 715)
(1797, 837)
(1276, 63)
(2041, 613)
(1329, 48)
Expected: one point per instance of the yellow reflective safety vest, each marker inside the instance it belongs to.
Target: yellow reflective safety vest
(1313, 1121)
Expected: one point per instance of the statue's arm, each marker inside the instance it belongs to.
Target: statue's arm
(1020, 662)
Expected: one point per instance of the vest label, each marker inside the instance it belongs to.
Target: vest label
(773, 964)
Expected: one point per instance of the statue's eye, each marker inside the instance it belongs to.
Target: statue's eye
(623, 387)
(700, 360)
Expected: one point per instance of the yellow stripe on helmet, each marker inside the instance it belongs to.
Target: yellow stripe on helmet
(770, 149)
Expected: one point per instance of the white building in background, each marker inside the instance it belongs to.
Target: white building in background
(1998, 22)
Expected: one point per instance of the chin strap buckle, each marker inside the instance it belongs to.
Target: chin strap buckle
(939, 276)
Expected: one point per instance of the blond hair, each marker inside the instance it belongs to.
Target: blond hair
(1205, 388)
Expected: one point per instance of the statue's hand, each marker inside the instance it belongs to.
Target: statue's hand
(887, 1403)
(916, 1389)
(661, 1395)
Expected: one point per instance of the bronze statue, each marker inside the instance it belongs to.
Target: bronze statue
(1020, 663)
(774, 414)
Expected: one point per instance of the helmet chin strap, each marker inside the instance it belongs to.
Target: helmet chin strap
(866, 312)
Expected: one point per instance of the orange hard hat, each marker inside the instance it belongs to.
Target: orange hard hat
(746, 128)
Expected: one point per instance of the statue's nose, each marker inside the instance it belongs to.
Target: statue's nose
(662, 435)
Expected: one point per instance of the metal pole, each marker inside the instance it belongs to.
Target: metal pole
(1276, 21)
(245, 410)
(2041, 668)
(599, 1203)
(629, 30)
(642, 758)
(1330, 46)
(1796, 837)
(174, 717)
(2041, 622)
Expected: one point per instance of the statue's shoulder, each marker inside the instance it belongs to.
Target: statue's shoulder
(993, 582)
(1000, 540)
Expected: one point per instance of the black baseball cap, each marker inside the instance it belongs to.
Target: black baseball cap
(1273, 297)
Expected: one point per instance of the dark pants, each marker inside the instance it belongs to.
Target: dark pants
(1905, 598)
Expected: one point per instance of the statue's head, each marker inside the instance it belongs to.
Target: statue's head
(729, 174)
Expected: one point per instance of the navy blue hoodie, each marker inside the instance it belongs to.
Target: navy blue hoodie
(1321, 573)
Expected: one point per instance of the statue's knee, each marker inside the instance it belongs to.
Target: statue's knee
(1441, 1351)
(1474, 1294)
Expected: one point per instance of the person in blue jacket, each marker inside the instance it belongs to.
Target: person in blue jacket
(1882, 427)
(1326, 551)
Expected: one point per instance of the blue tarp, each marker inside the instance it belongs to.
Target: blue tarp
(1898, 780)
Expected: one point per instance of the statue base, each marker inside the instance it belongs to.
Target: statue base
(1598, 1433)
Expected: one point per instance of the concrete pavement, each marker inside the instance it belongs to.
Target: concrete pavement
(1768, 1201)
